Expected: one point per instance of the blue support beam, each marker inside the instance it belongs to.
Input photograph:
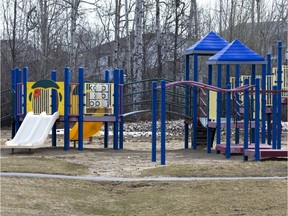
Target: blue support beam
(81, 107)
(219, 104)
(195, 105)
(25, 80)
(116, 108)
(269, 118)
(187, 104)
(54, 108)
(263, 106)
(19, 98)
(121, 132)
(257, 119)
(106, 124)
(66, 109)
(163, 122)
(228, 122)
(274, 117)
(252, 110)
(246, 118)
(237, 98)
(154, 120)
(279, 98)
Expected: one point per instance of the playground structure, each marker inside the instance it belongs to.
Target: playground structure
(89, 105)
(86, 104)
(234, 54)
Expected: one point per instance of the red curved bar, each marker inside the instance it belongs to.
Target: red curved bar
(209, 87)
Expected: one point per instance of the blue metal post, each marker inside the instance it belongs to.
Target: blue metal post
(269, 64)
(209, 139)
(274, 116)
(269, 129)
(19, 98)
(219, 103)
(66, 109)
(253, 77)
(154, 120)
(237, 84)
(263, 104)
(228, 122)
(163, 122)
(187, 99)
(54, 108)
(14, 101)
(227, 74)
(116, 108)
(106, 124)
(246, 118)
(81, 107)
(121, 117)
(257, 119)
(25, 80)
(279, 98)
(195, 106)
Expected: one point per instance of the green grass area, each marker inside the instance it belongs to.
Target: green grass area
(264, 168)
(34, 196)
(42, 165)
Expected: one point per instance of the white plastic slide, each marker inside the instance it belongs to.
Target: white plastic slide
(33, 131)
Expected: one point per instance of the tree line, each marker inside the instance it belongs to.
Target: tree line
(147, 38)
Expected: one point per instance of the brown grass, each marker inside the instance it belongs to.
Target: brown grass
(27, 196)
(42, 165)
(237, 169)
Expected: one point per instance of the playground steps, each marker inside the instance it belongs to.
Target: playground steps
(202, 134)
(239, 149)
(267, 153)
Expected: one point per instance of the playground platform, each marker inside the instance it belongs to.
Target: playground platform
(267, 153)
(239, 149)
(223, 124)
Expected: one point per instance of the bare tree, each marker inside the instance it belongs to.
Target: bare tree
(158, 40)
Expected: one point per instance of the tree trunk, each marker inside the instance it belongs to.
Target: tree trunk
(138, 47)
(159, 44)
(128, 41)
(117, 26)
(72, 57)
(44, 37)
(13, 50)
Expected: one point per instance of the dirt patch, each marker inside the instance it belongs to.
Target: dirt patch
(129, 162)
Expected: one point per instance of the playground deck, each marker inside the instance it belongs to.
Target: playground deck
(268, 110)
(239, 149)
(239, 124)
(267, 153)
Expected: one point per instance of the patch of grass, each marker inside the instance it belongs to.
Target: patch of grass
(241, 169)
(27, 196)
(42, 165)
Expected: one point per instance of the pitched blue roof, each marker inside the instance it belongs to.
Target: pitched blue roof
(208, 45)
(236, 53)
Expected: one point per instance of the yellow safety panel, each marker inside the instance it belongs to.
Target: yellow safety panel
(39, 99)
(212, 104)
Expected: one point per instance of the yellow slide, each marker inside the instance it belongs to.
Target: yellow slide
(89, 128)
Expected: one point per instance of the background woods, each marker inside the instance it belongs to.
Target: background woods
(145, 37)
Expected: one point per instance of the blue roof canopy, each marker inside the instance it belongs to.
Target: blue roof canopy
(236, 53)
(208, 45)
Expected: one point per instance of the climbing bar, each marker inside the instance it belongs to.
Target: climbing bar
(203, 92)
(209, 87)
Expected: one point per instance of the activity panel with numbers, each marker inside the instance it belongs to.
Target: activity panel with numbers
(99, 95)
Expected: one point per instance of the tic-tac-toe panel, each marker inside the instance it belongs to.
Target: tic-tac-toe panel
(99, 95)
